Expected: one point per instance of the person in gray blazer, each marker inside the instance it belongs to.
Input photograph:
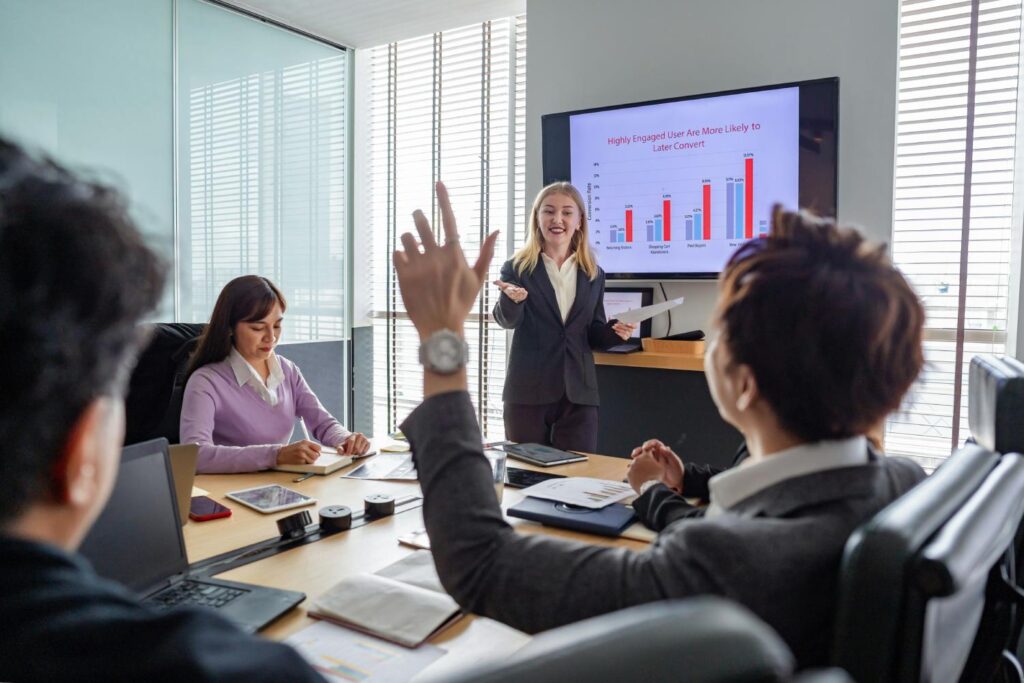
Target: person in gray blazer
(816, 338)
(552, 295)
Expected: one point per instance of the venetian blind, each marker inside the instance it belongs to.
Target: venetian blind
(262, 168)
(953, 201)
(448, 106)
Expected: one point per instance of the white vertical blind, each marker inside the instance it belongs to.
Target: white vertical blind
(953, 200)
(262, 167)
(448, 106)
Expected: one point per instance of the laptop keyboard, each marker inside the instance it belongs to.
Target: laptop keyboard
(189, 593)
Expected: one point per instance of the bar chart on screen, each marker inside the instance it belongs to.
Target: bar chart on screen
(678, 189)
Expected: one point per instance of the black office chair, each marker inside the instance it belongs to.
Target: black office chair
(914, 578)
(702, 640)
(156, 386)
(996, 407)
(996, 417)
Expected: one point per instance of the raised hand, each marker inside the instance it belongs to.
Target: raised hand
(514, 292)
(438, 286)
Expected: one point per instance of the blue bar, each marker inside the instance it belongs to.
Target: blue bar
(739, 211)
(650, 232)
(614, 236)
(689, 228)
(730, 215)
(697, 221)
(659, 233)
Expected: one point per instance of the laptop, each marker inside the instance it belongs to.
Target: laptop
(183, 468)
(138, 542)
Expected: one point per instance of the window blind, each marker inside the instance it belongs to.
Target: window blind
(448, 106)
(953, 201)
(262, 168)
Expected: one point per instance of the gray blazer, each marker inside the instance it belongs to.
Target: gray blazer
(777, 553)
(550, 358)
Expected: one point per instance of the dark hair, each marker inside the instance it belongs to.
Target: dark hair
(75, 279)
(244, 299)
(830, 329)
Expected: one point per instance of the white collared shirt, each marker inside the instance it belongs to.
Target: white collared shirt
(563, 280)
(246, 374)
(739, 483)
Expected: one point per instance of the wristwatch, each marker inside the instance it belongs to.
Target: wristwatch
(444, 352)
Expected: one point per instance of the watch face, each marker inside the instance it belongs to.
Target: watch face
(445, 352)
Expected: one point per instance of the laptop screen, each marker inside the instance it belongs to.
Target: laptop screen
(137, 539)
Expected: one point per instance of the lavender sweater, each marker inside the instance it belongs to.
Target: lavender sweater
(237, 431)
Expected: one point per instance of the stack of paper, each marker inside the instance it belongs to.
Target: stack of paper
(581, 491)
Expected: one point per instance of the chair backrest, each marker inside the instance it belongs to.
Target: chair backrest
(914, 577)
(150, 410)
(996, 405)
(703, 640)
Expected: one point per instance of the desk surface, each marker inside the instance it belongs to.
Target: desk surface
(693, 362)
(316, 567)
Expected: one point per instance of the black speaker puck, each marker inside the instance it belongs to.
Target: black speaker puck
(335, 518)
(294, 526)
(379, 505)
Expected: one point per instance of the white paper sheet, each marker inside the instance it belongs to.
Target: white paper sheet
(343, 655)
(637, 315)
(581, 491)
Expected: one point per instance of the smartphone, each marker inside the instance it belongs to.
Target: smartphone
(203, 508)
(518, 478)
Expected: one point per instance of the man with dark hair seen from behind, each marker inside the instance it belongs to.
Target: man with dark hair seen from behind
(75, 279)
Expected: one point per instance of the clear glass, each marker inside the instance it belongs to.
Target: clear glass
(262, 167)
(91, 84)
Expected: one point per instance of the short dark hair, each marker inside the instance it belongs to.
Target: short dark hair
(75, 279)
(829, 327)
(244, 299)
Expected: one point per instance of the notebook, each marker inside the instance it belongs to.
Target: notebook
(329, 461)
(610, 520)
(403, 603)
(138, 541)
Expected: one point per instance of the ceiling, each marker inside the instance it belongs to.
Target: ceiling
(368, 23)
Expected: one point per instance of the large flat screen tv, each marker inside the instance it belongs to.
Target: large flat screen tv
(673, 186)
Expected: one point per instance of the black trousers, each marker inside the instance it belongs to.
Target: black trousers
(563, 424)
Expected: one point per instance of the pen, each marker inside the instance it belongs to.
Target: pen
(305, 431)
(304, 477)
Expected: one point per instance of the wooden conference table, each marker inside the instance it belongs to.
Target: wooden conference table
(315, 567)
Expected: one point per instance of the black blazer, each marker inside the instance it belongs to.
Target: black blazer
(549, 358)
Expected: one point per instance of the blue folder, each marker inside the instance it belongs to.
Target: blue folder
(610, 520)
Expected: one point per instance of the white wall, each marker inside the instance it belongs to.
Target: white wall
(589, 53)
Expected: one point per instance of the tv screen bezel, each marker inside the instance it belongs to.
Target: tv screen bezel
(556, 161)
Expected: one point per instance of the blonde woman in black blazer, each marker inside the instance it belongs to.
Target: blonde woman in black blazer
(553, 296)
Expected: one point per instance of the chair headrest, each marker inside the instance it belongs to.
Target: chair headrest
(996, 405)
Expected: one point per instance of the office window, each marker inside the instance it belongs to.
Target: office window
(447, 106)
(954, 221)
(262, 166)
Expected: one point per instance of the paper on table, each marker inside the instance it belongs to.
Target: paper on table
(637, 315)
(341, 654)
(581, 491)
(385, 466)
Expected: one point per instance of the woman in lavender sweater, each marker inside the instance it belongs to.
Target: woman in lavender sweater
(241, 399)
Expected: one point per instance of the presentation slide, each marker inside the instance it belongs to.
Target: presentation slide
(676, 187)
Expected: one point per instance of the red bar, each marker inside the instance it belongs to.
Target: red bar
(707, 212)
(748, 201)
(666, 212)
(629, 225)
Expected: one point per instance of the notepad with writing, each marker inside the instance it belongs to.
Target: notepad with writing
(329, 461)
(403, 603)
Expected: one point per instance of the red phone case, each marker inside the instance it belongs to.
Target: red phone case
(225, 512)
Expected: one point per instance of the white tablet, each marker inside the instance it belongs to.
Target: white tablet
(271, 498)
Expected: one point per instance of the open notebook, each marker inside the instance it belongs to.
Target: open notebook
(329, 461)
(403, 603)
